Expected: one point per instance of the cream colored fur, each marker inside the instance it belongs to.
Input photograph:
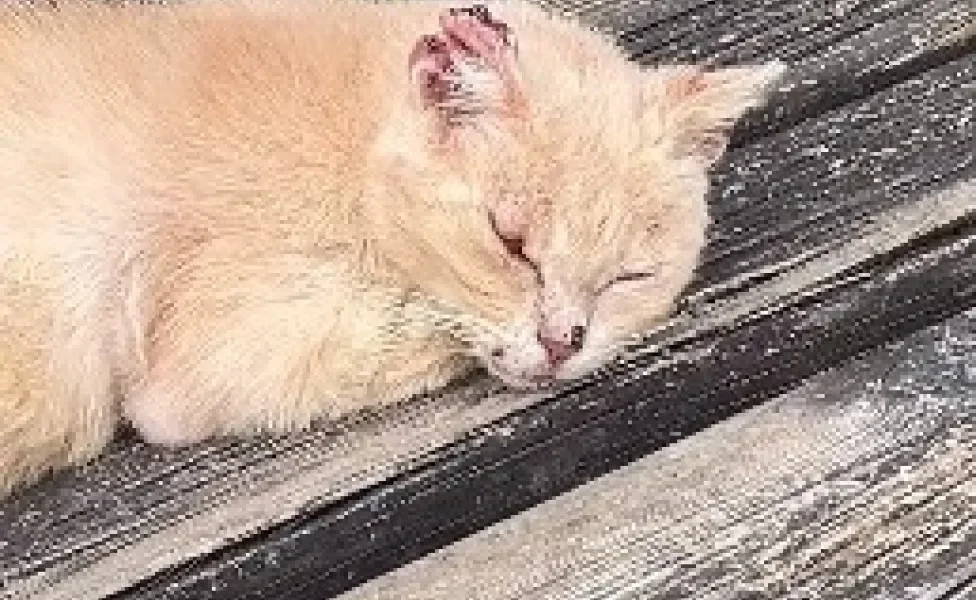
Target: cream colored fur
(218, 218)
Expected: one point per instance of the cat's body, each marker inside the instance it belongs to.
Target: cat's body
(216, 218)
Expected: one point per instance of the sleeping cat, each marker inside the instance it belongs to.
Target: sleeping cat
(217, 218)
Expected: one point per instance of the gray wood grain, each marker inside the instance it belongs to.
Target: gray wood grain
(137, 510)
(860, 485)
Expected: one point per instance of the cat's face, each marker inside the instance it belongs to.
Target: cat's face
(582, 203)
(609, 238)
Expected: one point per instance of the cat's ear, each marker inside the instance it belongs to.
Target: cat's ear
(700, 107)
(467, 71)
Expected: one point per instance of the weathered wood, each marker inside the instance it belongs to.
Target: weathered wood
(815, 224)
(550, 446)
(859, 485)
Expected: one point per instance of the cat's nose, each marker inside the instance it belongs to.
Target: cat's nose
(562, 343)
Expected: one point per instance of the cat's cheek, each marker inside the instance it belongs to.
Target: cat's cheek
(613, 322)
(595, 354)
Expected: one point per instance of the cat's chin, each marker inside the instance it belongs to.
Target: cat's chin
(528, 370)
(520, 381)
(541, 378)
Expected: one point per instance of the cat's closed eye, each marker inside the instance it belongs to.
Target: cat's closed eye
(628, 277)
(515, 246)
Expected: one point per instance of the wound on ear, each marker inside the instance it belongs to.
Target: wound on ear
(430, 66)
(468, 67)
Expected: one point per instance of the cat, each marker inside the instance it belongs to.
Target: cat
(218, 218)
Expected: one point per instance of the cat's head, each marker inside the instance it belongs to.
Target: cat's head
(566, 188)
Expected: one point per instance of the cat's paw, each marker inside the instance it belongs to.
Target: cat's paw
(158, 421)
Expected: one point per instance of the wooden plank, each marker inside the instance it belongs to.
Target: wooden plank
(878, 43)
(141, 511)
(795, 191)
(859, 485)
(553, 445)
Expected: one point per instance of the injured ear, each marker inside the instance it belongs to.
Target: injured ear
(700, 107)
(467, 69)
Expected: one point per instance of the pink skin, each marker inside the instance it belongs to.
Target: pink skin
(465, 33)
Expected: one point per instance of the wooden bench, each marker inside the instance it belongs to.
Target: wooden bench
(804, 428)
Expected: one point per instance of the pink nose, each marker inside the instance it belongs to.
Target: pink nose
(561, 345)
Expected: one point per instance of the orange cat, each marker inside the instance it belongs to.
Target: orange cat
(218, 218)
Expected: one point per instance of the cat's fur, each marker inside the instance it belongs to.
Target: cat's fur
(219, 218)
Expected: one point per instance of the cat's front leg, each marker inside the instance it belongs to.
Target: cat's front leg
(250, 343)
